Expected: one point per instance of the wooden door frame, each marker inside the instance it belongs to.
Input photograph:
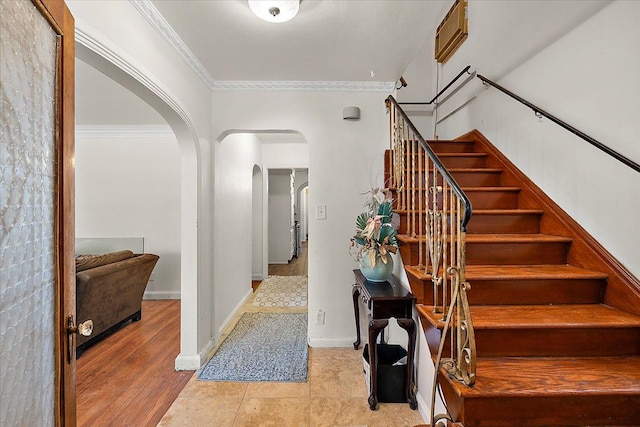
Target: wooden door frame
(61, 20)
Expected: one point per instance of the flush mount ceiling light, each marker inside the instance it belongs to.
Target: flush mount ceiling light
(275, 10)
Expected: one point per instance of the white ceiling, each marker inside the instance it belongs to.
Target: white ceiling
(329, 40)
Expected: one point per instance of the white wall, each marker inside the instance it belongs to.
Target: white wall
(280, 219)
(587, 78)
(345, 158)
(285, 155)
(257, 221)
(129, 186)
(235, 157)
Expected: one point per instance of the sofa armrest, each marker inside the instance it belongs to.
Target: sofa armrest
(111, 293)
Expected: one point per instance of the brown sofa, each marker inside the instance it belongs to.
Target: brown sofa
(109, 291)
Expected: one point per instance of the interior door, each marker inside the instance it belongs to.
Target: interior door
(37, 269)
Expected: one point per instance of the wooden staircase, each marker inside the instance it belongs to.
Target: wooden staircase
(556, 318)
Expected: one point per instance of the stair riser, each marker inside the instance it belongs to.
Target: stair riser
(527, 292)
(461, 162)
(532, 253)
(493, 199)
(560, 342)
(498, 199)
(463, 178)
(538, 411)
(479, 253)
(452, 147)
(449, 160)
(515, 223)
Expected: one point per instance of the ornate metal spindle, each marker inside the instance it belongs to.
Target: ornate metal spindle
(447, 210)
(444, 237)
(421, 196)
(407, 160)
(414, 149)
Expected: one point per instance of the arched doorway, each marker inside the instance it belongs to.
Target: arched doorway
(95, 53)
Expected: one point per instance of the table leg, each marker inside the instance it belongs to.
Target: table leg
(410, 326)
(375, 326)
(356, 310)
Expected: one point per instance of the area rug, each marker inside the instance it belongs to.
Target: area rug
(282, 291)
(262, 347)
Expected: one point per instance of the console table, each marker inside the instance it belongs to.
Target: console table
(385, 300)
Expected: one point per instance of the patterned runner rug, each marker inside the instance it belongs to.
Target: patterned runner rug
(282, 291)
(262, 347)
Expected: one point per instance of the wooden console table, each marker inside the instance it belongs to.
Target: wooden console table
(385, 300)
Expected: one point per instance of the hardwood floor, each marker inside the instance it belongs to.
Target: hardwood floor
(297, 267)
(128, 379)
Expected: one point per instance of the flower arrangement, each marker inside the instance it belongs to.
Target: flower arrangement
(375, 235)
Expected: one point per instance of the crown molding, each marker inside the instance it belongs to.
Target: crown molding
(160, 24)
(164, 29)
(122, 131)
(305, 85)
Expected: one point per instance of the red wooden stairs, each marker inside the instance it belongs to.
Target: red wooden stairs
(556, 317)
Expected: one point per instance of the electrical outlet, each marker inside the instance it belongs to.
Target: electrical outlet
(320, 317)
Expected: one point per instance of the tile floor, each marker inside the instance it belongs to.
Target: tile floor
(334, 395)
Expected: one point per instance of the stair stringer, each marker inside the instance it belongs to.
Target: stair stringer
(623, 288)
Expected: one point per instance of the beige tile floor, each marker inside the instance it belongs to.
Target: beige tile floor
(334, 395)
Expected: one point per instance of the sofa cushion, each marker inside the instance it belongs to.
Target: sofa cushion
(85, 262)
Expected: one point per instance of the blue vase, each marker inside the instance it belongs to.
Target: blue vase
(378, 273)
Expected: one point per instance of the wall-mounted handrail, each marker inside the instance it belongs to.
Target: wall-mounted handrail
(541, 112)
(455, 79)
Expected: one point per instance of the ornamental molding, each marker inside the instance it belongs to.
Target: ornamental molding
(387, 87)
(124, 131)
(166, 31)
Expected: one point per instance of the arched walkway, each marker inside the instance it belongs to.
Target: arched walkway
(134, 78)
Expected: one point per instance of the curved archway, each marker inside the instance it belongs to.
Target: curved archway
(134, 78)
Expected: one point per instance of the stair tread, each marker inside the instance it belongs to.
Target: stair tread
(487, 211)
(520, 272)
(491, 189)
(465, 189)
(507, 212)
(546, 316)
(475, 170)
(535, 316)
(497, 238)
(471, 154)
(455, 154)
(542, 376)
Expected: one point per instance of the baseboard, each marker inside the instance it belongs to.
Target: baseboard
(331, 342)
(257, 277)
(195, 362)
(423, 407)
(187, 363)
(149, 295)
(235, 310)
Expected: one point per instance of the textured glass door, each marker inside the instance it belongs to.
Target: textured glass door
(31, 247)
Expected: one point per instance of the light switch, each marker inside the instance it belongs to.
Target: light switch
(321, 211)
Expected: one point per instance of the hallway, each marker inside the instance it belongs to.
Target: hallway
(334, 394)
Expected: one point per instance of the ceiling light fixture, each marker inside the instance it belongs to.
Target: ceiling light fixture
(275, 10)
